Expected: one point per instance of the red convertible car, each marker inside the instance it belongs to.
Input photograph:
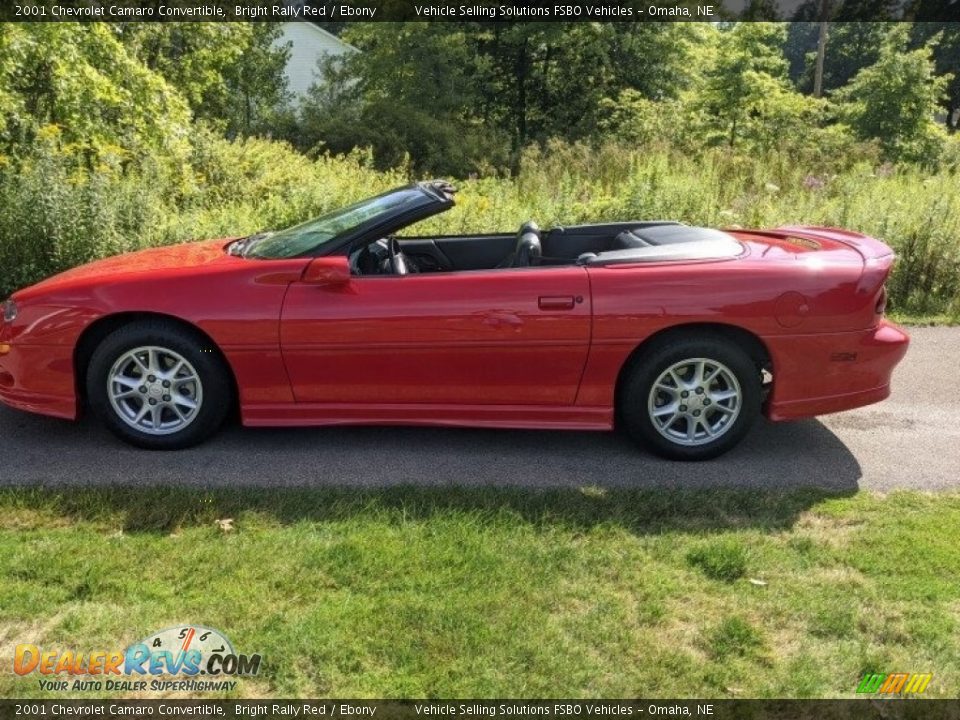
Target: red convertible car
(680, 335)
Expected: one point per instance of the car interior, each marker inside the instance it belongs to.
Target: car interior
(590, 245)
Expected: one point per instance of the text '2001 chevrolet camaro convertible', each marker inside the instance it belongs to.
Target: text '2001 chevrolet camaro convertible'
(681, 335)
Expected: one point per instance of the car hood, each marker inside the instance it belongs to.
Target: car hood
(159, 260)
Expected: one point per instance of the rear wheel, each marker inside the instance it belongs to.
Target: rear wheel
(157, 386)
(691, 398)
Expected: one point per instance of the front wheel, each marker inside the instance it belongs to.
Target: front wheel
(690, 398)
(157, 386)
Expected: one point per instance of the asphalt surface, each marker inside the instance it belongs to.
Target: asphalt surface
(912, 440)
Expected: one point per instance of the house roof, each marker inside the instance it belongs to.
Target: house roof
(329, 36)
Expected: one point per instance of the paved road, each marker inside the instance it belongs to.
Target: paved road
(910, 441)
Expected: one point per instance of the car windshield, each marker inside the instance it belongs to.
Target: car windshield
(314, 234)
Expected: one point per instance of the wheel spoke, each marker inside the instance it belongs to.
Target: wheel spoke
(698, 369)
(141, 413)
(665, 410)
(184, 401)
(722, 395)
(171, 374)
(139, 363)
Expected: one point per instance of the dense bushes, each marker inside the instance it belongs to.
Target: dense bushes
(54, 214)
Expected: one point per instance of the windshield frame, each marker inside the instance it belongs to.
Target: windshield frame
(391, 220)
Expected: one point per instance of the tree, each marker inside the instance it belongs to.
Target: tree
(746, 94)
(232, 74)
(895, 100)
(852, 47)
(80, 78)
(452, 95)
(257, 82)
(946, 55)
(412, 93)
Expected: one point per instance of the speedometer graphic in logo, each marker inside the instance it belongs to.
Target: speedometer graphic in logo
(188, 650)
(189, 637)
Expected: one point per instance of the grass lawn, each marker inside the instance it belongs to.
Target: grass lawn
(925, 320)
(455, 592)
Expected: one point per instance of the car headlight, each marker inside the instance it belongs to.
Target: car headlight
(9, 311)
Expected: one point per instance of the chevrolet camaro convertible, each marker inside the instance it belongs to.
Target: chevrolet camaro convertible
(680, 335)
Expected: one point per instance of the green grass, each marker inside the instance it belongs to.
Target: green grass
(491, 592)
(724, 559)
(925, 319)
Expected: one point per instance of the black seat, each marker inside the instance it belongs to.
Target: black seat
(528, 250)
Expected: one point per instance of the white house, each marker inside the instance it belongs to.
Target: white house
(308, 45)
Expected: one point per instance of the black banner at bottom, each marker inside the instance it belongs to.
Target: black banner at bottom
(888, 709)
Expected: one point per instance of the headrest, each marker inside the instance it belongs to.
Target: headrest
(530, 227)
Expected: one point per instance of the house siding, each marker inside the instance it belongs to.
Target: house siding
(308, 44)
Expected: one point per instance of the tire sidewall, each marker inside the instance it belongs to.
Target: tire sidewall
(647, 369)
(217, 391)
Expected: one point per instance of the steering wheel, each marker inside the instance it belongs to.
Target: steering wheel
(398, 263)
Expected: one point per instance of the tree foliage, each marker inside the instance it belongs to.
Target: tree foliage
(895, 99)
(852, 46)
(231, 74)
(81, 79)
(471, 95)
(946, 55)
(457, 98)
(746, 96)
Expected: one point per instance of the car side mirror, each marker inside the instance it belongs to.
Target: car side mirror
(330, 271)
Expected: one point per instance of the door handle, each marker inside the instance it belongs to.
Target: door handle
(556, 302)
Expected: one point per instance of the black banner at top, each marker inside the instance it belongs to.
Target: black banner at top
(477, 10)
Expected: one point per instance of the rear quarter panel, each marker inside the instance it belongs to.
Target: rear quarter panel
(774, 291)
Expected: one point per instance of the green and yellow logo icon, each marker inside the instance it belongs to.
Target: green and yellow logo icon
(894, 683)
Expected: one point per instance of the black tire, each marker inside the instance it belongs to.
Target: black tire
(634, 398)
(213, 388)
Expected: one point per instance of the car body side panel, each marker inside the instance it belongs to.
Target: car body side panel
(504, 337)
(809, 309)
(235, 302)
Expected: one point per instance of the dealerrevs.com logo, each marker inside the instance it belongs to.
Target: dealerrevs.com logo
(174, 659)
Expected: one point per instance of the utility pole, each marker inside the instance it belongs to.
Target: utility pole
(821, 48)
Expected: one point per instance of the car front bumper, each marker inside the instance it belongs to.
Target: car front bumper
(38, 378)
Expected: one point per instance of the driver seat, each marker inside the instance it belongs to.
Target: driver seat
(528, 250)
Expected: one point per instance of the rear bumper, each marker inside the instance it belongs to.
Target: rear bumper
(39, 379)
(821, 374)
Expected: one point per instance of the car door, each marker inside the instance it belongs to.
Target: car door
(509, 336)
